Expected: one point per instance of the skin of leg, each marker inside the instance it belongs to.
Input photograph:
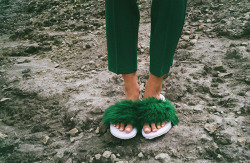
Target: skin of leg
(153, 89)
(131, 88)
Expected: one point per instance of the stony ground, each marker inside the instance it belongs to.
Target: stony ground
(55, 86)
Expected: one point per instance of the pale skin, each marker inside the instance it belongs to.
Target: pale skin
(132, 89)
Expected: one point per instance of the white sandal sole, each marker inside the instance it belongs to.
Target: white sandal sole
(122, 134)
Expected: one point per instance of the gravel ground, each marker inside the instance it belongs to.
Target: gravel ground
(55, 86)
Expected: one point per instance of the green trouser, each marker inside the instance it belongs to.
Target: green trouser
(122, 23)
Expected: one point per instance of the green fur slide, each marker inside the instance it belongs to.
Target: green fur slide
(152, 110)
(138, 113)
(122, 112)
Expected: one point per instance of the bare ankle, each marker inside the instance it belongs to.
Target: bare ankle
(152, 91)
(132, 91)
(131, 86)
(153, 86)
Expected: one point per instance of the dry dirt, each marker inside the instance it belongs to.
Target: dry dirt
(55, 86)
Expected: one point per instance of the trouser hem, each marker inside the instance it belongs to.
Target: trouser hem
(121, 71)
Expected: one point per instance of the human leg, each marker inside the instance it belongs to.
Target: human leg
(167, 19)
(122, 23)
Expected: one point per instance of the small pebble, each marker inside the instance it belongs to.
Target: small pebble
(2, 136)
(106, 154)
(87, 46)
(97, 131)
(163, 156)
(4, 99)
(98, 156)
(193, 41)
(186, 38)
(113, 158)
(73, 131)
(45, 139)
(2, 71)
(244, 44)
(140, 155)
(241, 141)
(201, 27)
(219, 156)
(26, 70)
(91, 62)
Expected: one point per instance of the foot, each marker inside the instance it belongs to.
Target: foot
(153, 89)
(153, 127)
(132, 92)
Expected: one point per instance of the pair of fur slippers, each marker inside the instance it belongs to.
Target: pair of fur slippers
(138, 113)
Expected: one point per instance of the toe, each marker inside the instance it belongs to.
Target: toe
(146, 128)
(159, 125)
(128, 128)
(121, 127)
(153, 127)
(117, 125)
(163, 124)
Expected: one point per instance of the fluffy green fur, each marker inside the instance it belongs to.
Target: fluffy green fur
(140, 112)
(152, 110)
(121, 112)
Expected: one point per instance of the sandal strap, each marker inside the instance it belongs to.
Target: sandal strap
(153, 110)
(121, 112)
(140, 112)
